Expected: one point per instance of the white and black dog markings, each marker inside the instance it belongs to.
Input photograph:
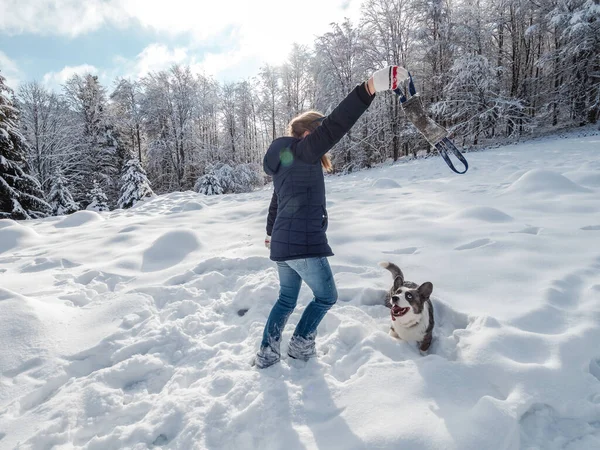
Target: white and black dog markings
(411, 309)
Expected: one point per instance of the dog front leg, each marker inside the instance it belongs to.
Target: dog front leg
(394, 334)
(426, 343)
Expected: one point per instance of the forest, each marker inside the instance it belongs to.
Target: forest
(487, 70)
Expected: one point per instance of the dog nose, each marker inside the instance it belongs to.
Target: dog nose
(395, 298)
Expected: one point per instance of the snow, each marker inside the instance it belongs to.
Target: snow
(12, 235)
(539, 181)
(385, 183)
(79, 219)
(135, 328)
(169, 249)
(482, 213)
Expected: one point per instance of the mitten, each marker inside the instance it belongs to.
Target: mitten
(389, 78)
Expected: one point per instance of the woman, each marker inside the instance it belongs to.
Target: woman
(297, 219)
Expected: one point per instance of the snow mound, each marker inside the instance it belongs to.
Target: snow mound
(585, 177)
(192, 206)
(4, 223)
(15, 235)
(20, 330)
(385, 183)
(169, 249)
(539, 181)
(514, 176)
(78, 219)
(7, 294)
(483, 213)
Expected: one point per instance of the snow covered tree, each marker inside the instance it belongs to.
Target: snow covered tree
(135, 185)
(577, 58)
(98, 199)
(169, 106)
(21, 196)
(247, 177)
(101, 154)
(269, 100)
(47, 124)
(340, 55)
(434, 37)
(225, 174)
(297, 82)
(60, 197)
(474, 102)
(208, 184)
(125, 109)
(389, 30)
(231, 134)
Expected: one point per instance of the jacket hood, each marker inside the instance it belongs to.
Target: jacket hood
(278, 154)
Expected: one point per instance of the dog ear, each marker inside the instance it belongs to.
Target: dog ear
(425, 290)
(398, 282)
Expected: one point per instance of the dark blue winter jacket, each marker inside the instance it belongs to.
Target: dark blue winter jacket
(297, 219)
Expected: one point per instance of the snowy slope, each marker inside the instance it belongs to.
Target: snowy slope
(127, 329)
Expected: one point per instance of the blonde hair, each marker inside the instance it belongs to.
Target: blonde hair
(308, 121)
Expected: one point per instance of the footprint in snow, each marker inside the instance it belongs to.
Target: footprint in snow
(528, 230)
(591, 228)
(595, 368)
(475, 244)
(403, 251)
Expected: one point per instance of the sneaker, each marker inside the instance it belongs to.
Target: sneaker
(302, 348)
(265, 357)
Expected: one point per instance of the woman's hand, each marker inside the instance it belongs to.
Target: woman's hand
(386, 79)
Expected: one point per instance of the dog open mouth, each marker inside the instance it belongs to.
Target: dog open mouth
(398, 311)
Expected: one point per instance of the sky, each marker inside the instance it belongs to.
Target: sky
(50, 40)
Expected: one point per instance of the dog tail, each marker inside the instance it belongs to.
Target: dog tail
(393, 268)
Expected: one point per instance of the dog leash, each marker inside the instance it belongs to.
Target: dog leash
(435, 134)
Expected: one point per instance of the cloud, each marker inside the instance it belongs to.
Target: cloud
(202, 18)
(57, 17)
(223, 34)
(54, 80)
(10, 71)
(158, 57)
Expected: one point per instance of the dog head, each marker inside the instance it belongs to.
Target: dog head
(406, 299)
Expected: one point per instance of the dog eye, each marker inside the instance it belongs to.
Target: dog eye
(409, 296)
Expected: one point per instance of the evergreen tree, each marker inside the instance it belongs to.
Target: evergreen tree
(135, 185)
(247, 177)
(224, 174)
(101, 152)
(98, 199)
(21, 196)
(60, 197)
(209, 184)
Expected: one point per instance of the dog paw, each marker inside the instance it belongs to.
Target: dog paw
(394, 334)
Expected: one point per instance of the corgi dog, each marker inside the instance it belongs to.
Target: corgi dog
(411, 309)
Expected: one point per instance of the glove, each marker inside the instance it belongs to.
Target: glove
(389, 78)
(268, 241)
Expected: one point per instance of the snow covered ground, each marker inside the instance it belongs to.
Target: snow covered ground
(135, 329)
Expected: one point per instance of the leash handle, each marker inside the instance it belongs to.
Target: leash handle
(446, 144)
(411, 89)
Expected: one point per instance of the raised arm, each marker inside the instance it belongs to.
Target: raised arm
(333, 128)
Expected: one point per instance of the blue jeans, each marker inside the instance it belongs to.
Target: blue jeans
(316, 273)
